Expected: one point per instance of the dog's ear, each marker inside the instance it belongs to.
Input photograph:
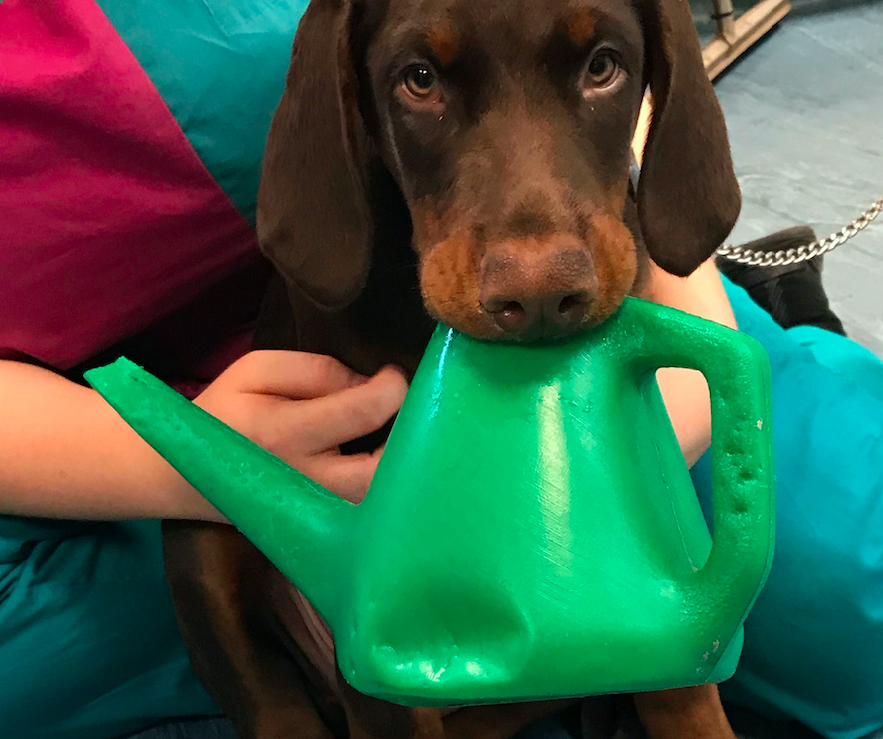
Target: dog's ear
(688, 195)
(314, 219)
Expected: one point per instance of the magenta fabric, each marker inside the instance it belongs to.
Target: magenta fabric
(109, 221)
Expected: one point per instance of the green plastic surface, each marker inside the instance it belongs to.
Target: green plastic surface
(532, 530)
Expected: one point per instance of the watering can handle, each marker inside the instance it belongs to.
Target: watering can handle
(737, 370)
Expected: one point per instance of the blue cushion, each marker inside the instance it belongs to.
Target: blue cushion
(814, 641)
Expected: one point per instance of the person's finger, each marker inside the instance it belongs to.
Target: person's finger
(288, 374)
(348, 476)
(354, 412)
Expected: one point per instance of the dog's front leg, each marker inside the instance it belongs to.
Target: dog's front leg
(684, 713)
(499, 721)
(372, 718)
(219, 582)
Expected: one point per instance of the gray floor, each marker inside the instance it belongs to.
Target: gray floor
(805, 111)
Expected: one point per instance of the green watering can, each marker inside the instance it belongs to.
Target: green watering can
(531, 531)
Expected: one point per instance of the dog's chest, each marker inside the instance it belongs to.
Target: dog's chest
(316, 640)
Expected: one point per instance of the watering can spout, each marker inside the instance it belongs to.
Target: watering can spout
(296, 523)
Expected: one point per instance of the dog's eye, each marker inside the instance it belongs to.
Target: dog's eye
(601, 72)
(419, 81)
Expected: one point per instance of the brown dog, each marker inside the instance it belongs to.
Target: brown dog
(468, 162)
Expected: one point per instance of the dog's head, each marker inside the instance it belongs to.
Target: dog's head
(506, 128)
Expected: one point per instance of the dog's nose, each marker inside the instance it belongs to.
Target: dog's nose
(540, 313)
(535, 292)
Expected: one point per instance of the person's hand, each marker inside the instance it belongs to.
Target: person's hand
(302, 407)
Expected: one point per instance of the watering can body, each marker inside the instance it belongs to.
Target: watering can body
(532, 530)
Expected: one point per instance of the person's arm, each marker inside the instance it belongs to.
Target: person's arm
(65, 453)
(685, 392)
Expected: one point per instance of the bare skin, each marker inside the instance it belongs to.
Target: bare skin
(64, 453)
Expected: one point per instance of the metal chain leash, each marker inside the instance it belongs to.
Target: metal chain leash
(802, 253)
